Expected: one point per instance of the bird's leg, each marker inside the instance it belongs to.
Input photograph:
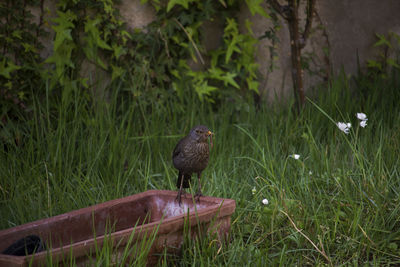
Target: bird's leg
(178, 197)
(198, 194)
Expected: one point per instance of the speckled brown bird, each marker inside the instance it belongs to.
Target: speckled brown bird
(191, 155)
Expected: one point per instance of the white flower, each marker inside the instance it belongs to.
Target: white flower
(254, 190)
(362, 116)
(310, 172)
(265, 201)
(295, 156)
(344, 127)
(363, 123)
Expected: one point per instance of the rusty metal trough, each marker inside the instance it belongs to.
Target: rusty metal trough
(79, 232)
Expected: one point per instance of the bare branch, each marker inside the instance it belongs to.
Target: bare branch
(310, 16)
(279, 8)
(191, 40)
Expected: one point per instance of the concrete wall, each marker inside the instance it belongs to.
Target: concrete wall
(352, 25)
(349, 27)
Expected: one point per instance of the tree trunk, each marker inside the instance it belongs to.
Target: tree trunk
(290, 13)
(295, 46)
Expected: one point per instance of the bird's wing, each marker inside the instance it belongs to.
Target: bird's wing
(178, 148)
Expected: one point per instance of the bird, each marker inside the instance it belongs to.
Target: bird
(190, 156)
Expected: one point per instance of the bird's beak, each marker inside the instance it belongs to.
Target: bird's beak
(210, 134)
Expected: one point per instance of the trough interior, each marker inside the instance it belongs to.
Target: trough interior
(107, 217)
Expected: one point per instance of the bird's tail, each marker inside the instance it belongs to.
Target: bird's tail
(186, 179)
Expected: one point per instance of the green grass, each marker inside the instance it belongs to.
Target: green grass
(343, 193)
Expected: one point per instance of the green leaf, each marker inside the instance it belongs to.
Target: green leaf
(231, 28)
(116, 72)
(393, 63)
(232, 46)
(253, 85)
(6, 67)
(374, 64)
(118, 50)
(28, 47)
(382, 41)
(92, 54)
(202, 88)
(17, 34)
(256, 8)
(172, 3)
(61, 36)
(176, 74)
(94, 34)
(228, 79)
(8, 84)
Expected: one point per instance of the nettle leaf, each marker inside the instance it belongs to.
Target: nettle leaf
(256, 8)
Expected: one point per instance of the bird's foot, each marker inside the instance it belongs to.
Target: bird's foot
(198, 195)
(179, 198)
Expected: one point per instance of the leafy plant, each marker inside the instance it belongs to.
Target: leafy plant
(20, 61)
(389, 46)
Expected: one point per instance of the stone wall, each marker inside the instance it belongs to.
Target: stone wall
(348, 29)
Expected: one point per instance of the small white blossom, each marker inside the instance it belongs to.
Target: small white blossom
(363, 119)
(310, 172)
(363, 123)
(265, 201)
(344, 127)
(362, 116)
(295, 156)
(254, 190)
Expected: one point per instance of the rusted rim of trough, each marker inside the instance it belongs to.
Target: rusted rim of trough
(217, 208)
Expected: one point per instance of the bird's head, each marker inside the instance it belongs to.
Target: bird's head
(200, 133)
